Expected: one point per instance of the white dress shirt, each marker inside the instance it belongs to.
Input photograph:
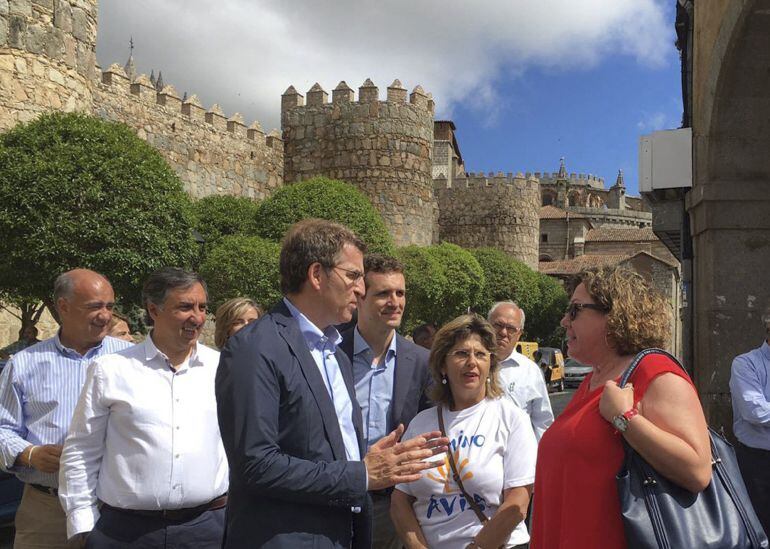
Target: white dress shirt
(143, 436)
(523, 382)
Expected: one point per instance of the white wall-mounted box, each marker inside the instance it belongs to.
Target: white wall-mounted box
(665, 160)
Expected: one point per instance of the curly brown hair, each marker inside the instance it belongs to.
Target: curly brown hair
(454, 331)
(638, 317)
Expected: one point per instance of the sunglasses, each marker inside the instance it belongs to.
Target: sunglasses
(575, 308)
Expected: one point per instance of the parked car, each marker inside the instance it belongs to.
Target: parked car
(551, 362)
(575, 372)
(527, 348)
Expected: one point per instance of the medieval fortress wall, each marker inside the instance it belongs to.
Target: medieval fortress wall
(382, 147)
(499, 211)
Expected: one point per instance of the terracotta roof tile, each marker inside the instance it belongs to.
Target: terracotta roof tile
(621, 235)
(576, 265)
(552, 212)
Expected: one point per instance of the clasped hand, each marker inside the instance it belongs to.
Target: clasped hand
(390, 462)
(615, 401)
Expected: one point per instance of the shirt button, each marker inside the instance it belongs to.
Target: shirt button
(177, 456)
(177, 427)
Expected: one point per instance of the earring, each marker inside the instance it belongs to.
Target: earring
(443, 380)
(488, 381)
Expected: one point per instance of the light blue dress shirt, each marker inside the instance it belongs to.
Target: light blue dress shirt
(374, 387)
(39, 388)
(322, 345)
(750, 389)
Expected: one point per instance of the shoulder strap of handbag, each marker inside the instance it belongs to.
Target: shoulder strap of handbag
(455, 475)
(638, 358)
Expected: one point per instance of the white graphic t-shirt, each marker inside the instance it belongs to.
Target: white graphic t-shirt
(494, 448)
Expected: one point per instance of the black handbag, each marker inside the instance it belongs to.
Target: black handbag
(658, 514)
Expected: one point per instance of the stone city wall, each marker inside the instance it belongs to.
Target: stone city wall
(47, 57)
(382, 147)
(212, 154)
(497, 211)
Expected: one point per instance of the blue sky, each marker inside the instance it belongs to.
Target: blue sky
(525, 81)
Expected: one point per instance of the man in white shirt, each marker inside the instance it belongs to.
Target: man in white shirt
(520, 377)
(144, 438)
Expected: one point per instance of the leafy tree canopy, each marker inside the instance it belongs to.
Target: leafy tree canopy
(442, 282)
(223, 215)
(243, 266)
(506, 279)
(76, 191)
(543, 322)
(325, 199)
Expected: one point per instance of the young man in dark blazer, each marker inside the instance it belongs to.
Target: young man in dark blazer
(390, 373)
(291, 427)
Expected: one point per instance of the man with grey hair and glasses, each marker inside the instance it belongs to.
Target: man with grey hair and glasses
(750, 389)
(143, 465)
(520, 377)
(39, 388)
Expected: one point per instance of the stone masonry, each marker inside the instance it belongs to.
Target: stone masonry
(382, 147)
(497, 211)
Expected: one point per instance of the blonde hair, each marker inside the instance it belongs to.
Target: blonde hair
(451, 333)
(226, 315)
(638, 317)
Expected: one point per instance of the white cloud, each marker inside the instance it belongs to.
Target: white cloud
(243, 54)
(653, 121)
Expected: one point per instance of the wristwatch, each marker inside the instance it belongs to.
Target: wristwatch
(620, 422)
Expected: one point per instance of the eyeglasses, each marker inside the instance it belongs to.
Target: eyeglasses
(350, 274)
(463, 355)
(510, 328)
(574, 308)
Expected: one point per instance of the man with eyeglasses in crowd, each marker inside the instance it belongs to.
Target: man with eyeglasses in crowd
(291, 426)
(520, 377)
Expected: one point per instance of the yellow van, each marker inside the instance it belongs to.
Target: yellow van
(527, 348)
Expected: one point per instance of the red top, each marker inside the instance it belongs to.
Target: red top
(575, 497)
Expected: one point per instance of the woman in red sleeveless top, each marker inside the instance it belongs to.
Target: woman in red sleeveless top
(613, 314)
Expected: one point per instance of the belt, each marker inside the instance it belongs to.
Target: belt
(45, 489)
(185, 514)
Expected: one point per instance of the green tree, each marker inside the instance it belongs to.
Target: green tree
(243, 266)
(325, 199)
(442, 282)
(506, 279)
(543, 321)
(76, 191)
(223, 215)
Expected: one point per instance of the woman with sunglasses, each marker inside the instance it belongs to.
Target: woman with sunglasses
(492, 447)
(613, 314)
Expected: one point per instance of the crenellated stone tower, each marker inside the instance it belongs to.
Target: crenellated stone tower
(498, 211)
(47, 57)
(382, 147)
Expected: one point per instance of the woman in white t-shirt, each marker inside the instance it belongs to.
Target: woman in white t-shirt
(491, 441)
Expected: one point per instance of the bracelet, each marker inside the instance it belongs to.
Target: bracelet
(29, 456)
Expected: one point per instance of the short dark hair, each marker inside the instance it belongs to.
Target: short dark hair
(382, 264)
(159, 283)
(423, 330)
(312, 241)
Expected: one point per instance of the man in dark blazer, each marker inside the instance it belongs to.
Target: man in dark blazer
(290, 424)
(390, 372)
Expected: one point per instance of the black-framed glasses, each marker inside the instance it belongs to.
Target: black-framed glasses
(351, 275)
(575, 308)
(510, 328)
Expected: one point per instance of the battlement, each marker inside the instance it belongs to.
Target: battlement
(493, 180)
(115, 81)
(368, 94)
(580, 179)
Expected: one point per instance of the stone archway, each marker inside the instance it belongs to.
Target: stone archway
(729, 204)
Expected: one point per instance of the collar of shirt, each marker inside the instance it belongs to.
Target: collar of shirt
(361, 346)
(66, 351)
(313, 335)
(151, 352)
(511, 360)
(765, 348)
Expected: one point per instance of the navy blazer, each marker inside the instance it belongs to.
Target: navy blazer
(410, 381)
(290, 483)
